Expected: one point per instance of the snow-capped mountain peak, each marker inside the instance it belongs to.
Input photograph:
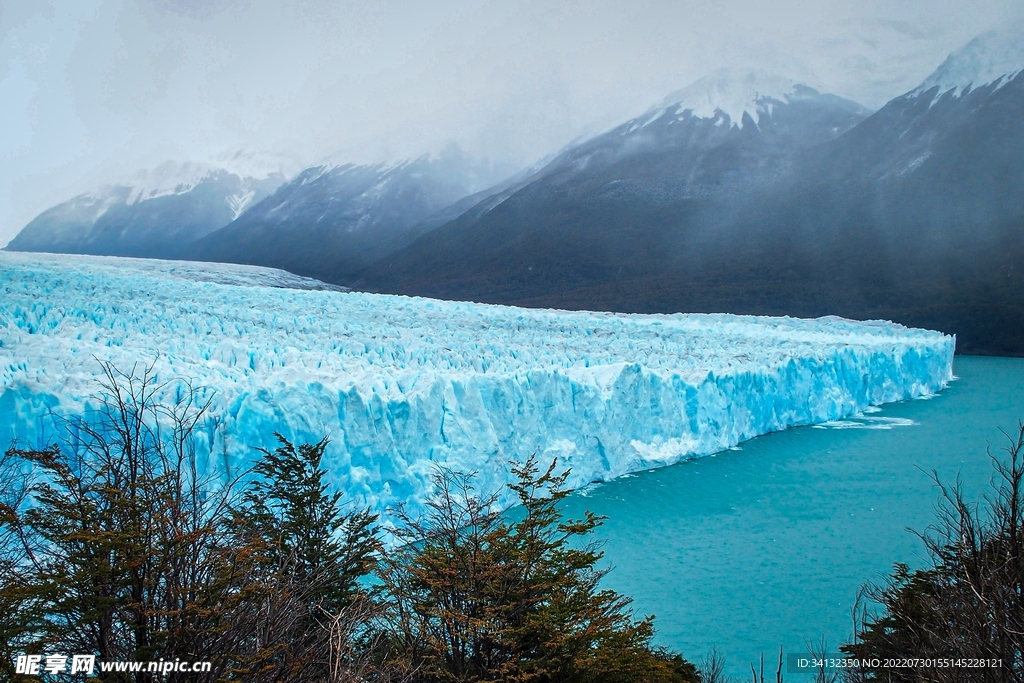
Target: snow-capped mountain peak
(994, 56)
(733, 93)
(155, 212)
(342, 162)
(174, 178)
(166, 179)
(171, 178)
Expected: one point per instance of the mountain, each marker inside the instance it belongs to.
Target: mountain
(915, 215)
(613, 208)
(331, 221)
(156, 214)
(755, 195)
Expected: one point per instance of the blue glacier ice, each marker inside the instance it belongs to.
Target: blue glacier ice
(401, 384)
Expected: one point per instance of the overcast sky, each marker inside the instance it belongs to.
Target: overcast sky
(91, 91)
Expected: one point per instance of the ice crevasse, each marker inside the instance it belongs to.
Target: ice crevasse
(401, 385)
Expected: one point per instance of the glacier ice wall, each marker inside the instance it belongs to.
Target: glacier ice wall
(400, 384)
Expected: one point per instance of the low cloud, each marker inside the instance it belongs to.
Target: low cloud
(102, 88)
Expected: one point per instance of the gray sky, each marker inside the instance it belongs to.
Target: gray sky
(93, 90)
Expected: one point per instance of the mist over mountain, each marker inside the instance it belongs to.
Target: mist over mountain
(746, 192)
(332, 221)
(914, 215)
(770, 198)
(156, 214)
(623, 205)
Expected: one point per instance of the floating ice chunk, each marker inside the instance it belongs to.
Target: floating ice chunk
(869, 423)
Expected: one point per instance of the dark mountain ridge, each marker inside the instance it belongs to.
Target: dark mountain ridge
(914, 214)
(330, 222)
(617, 207)
(154, 220)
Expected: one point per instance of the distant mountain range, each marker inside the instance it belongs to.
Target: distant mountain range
(332, 221)
(157, 214)
(756, 195)
(626, 204)
(746, 192)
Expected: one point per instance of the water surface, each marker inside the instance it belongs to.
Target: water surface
(768, 545)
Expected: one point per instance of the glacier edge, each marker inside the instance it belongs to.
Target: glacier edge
(401, 385)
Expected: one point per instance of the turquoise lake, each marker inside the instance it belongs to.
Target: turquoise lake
(769, 544)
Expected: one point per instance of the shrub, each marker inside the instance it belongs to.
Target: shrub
(472, 596)
(968, 603)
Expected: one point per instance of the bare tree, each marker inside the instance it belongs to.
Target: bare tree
(758, 675)
(711, 668)
(122, 545)
(819, 653)
(968, 606)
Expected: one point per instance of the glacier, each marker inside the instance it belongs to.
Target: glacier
(401, 385)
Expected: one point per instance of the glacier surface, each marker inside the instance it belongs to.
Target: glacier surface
(402, 384)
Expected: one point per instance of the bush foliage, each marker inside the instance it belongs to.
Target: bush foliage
(112, 543)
